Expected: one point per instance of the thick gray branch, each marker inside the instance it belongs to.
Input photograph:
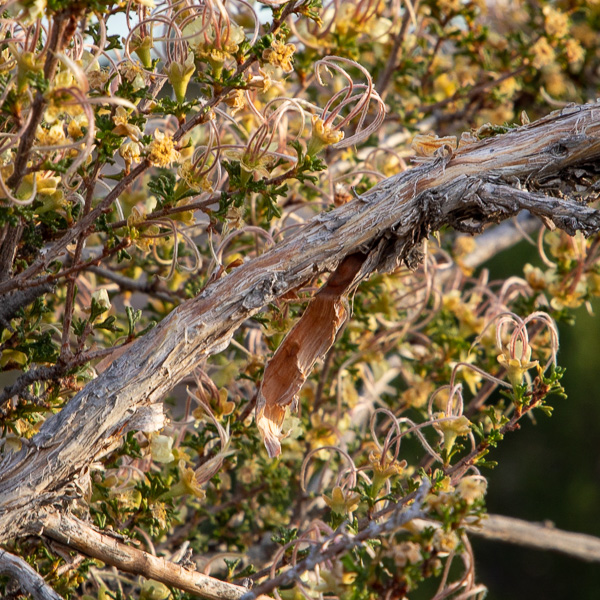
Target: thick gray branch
(74, 533)
(540, 536)
(477, 184)
(27, 578)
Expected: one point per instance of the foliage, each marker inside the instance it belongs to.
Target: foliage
(169, 157)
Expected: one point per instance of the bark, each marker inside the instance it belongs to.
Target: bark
(542, 536)
(535, 167)
(72, 532)
(25, 577)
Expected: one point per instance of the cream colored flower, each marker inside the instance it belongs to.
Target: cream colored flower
(280, 55)
(101, 299)
(161, 151)
(98, 78)
(444, 541)
(574, 51)
(543, 53)
(451, 428)
(130, 152)
(556, 23)
(535, 277)
(471, 489)
(161, 448)
(55, 136)
(406, 553)
(134, 73)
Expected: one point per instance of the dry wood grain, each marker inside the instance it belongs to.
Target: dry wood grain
(467, 188)
(80, 536)
(542, 536)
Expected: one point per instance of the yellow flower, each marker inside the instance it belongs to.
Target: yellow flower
(237, 100)
(190, 176)
(161, 151)
(55, 136)
(535, 277)
(384, 469)
(444, 541)
(179, 75)
(280, 55)
(517, 363)
(323, 134)
(262, 81)
(556, 22)
(342, 503)
(122, 125)
(159, 513)
(451, 428)
(75, 126)
(417, 394)
(543, 53)
(574, 51)
(322, 432)
(253, 163)
(188, 484)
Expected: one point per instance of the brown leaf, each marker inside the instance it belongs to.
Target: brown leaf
(308, 340)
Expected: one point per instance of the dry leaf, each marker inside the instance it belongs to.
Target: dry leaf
(308, 340)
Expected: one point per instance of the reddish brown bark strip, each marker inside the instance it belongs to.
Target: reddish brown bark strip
(308, 340)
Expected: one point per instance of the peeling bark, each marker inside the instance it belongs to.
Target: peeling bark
(308, 341)
(488, 181)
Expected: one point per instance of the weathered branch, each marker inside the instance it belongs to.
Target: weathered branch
(11, 303)
(538, 535)
(76, 534)
(26, 577)
(467, 188)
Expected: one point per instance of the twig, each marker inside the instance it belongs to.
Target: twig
(28, 579)
(386, 75)
(76, 534)
(331, 548)
(17, 300)
(125, 283)
(538, 535)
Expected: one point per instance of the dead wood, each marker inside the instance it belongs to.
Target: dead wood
(544, 167)
(76, 534)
